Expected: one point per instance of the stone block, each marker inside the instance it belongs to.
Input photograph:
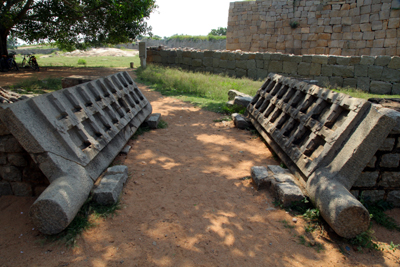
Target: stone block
(343, 71)
(10, 144)
(125, 150)
(21, 189)
(275, 66)
(390, 179)
(153, 120)
(5, 188)
(394, 198)
(233, 93)
(11, 173)
(394, 63)
(110, 187)
(288, 193)
(390, 160)
(17, 160)
(390, 75)
(289, 67)
(383, 88)
(366, 179)
(375, 72)
(388, 144)
(373, 195)
(241, 122)
(259, 175)
(350, 82)
(243, 101)
(361, 70)
(304, 68)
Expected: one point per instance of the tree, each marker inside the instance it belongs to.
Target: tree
(218, 32)
(74, 23)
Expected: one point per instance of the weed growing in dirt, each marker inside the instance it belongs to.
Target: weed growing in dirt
(365, 240)
(208, 91)
(162, 124)
(81, 61)
(225, 118)
(82, 222)
(377, 210)
(141, 130)
(287, 225)
(35, 86)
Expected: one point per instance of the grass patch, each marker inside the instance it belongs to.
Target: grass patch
(287, 225)
(208, 91)
(162, 124)
(361, 94)
(377, 212)
(77, 62)
(83, 221)
(36, 86)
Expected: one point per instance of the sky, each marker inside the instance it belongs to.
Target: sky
(189, 17)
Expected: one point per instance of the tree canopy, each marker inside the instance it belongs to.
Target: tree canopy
(218, 32)
(74, 23)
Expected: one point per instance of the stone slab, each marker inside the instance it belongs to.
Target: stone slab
(242, 101)
(111, 185)
(241, 121)
(153, 120)
(259, 176)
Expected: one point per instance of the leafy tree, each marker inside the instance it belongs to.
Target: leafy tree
(74, 23)
(218, 32)
(12, 42)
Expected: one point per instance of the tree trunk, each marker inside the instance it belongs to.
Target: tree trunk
(3, 41)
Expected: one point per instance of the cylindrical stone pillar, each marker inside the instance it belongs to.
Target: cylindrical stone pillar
(57, 206)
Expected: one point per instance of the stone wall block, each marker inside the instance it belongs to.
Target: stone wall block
(383, 88)
(390, 161)
(343, 71)
(388, 144)
(390, 179)
(21, 189)
(9, 144)
(17, 160)
(394, 198)
(11, 173)
(5, 188)
(367, 179)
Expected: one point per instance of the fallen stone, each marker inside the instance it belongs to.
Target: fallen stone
(233, 93)
(243, 101)
(259, 175)
(241, 121)
(153, 120)
(110, 187)
(125, 150)
(287, 193)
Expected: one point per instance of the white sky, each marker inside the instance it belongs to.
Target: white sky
(189, 17)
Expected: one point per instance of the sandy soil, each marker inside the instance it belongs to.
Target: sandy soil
(188, 202)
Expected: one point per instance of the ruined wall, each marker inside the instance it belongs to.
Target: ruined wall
(349, 28)
(19, 174)
(380, 179)
(374, 74)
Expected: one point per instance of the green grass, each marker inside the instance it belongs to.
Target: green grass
(207, 91)
(82, 222)
(361, 94)
(101, 61)
(35, 86)
(196, 37)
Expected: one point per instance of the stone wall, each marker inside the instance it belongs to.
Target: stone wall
(19, 175)
(374, 74)
(347, 27)
(380, 179)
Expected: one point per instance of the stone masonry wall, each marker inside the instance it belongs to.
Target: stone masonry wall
(347, 27)
(19, 174)
(374, 74)
(381, 177)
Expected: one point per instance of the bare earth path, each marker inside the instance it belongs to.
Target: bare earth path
(186, 204)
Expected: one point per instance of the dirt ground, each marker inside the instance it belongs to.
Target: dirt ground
(188, 202)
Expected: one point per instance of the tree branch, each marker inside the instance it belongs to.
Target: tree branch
(23, 11)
